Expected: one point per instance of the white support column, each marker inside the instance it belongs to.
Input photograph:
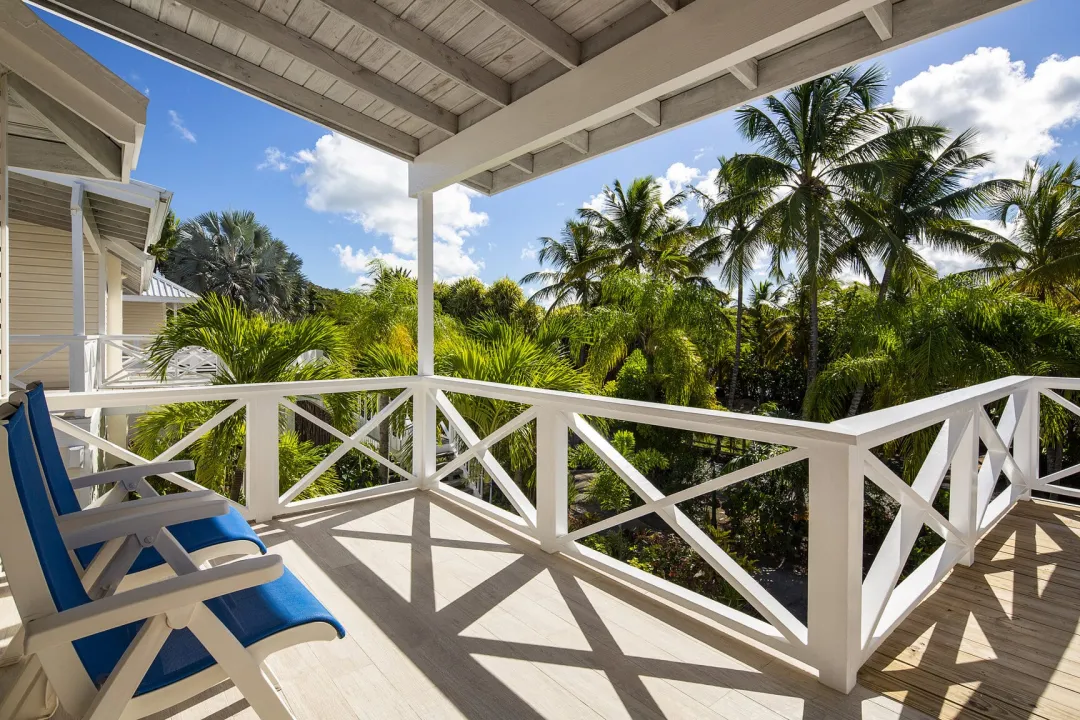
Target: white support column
(425, 433)
(5, 306)
(261, 488)
(964, 478)
(834, 604)
(102, 317)
(1026, 445)
(77, 349)
(552, 432)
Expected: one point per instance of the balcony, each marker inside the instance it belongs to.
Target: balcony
(458, 606)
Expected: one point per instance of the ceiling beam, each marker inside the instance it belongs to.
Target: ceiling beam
(667, 6)
(746, 73)
(881, 17)
(578, 141)
(132, 26)
(400, 32)
(239, 16)
(34, 154)
(92, 145)
(689, 47)
(649, 112)
(845, 45)
(534, 25)
(524, 163)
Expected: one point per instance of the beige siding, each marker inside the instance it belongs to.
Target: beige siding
(143, 318)
(41, 298)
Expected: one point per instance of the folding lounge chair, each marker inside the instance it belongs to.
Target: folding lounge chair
(204, 540)
(138, 652)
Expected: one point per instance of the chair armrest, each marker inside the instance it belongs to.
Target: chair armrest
(130, 476)
(142, 517)
(148, 601)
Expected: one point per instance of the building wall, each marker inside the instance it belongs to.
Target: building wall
(143, 318)
(40, 285)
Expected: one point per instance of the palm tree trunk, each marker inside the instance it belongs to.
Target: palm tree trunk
(236, 483)
(813, 252)
(738, 349)
(883, 292)
(384, 439)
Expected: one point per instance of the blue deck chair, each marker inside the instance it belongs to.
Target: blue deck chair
(208, 539)
(138, 652)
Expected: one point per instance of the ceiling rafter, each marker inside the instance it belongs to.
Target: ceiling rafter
(534, 25)
(239, 16)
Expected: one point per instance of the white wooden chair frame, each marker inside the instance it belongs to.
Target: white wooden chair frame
(172, 604)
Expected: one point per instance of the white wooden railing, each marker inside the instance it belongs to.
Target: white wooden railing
(90, 366)
(848, 615)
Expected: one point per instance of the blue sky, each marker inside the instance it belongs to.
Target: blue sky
(208, 144)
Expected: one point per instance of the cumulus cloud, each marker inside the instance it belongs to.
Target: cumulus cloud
(275, 159)
(528, 252)
(1015, 112)
(370, 188)
(677, 178)
(177, 123)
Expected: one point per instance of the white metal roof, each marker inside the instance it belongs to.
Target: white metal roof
(162, 290)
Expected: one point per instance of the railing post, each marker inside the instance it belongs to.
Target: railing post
(834, 603)
(1026, 443)
(261, 487)
(425, 434)
(964, 479)
(552, 431)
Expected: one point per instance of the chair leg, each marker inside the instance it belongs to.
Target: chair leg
(271, 676)
(13, 652)
(123, 681)
(239, 665)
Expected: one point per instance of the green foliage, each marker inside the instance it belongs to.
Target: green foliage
(606, 488)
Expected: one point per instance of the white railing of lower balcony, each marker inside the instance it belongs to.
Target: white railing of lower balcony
(987, 465)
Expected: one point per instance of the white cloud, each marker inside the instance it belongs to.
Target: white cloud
(370, 188)
(677, 178)
(177, 123)
(1016, 113)
(528, 252)
(276, 160)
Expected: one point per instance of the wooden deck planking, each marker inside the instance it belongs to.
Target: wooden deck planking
(450, 616)
(1000, 639)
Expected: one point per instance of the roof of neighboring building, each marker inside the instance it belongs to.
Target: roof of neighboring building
(162, 289)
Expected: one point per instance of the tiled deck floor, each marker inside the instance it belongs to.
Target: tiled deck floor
(449, 616)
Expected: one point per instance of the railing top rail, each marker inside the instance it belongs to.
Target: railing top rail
(880, 426)
(713, 422)
(164, 394)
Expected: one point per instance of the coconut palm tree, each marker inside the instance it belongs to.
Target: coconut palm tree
(642, 232)
(923, 200)
(232, 254)
(251, 348)
(821, 138)
(577, 258)
(739, 232)
(1042, 256)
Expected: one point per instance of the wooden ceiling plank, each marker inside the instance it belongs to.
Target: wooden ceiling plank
(534, 25)
(393, 29)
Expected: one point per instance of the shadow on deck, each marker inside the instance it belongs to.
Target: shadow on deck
(998, 639)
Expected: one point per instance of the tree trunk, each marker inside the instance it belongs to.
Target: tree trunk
(738, 349)
(236, 483)
(812, 360)
(384, 439)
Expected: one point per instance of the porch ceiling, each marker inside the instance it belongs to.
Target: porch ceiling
(493, 93)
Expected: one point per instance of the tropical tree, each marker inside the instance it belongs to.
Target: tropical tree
(738, 232)
(232, 254)
(251, 348)
(1042, 256)
(577, 258)
(820, 139)
(643, 232)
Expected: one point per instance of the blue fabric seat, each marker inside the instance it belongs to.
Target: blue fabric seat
(251, 615)
(192, 536)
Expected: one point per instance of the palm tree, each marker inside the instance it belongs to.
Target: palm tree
(923, 201)
(736, 217)
(232, 254)
(820, 138)
(641, 230)
(577, 258)
(1042, 258)
(251, 348)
